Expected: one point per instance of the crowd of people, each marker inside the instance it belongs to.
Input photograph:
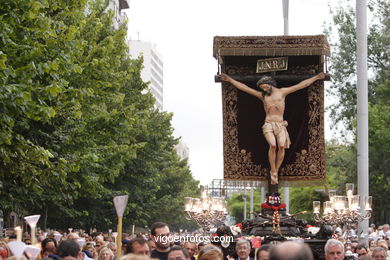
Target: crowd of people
(147, 246)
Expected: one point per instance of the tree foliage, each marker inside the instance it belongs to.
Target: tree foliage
(236, 205)
(341, 169)
(342, 165)
(341, 32)
(78, 125)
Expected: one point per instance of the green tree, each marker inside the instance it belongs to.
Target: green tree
(301, 199)
(37, 55)
(236, 205)
(341, 169)
(78, 124)
(379, 144)
(123, 117)
(342, 37)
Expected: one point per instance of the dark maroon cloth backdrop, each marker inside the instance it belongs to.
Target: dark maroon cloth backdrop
(251, 119)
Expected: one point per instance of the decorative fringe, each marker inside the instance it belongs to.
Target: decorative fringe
(270, 46)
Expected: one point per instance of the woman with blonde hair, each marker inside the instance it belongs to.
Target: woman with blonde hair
(106, 254)
(210, 252)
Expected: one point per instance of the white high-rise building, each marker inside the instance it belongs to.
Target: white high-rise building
(153, 67)
(182, 150)
(119, 16)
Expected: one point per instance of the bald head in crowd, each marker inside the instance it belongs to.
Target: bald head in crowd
(291, 251)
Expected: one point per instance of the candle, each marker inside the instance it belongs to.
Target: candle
(188, 203)
(368, 202)
(316, 207)
(349, 187)
(18, 233)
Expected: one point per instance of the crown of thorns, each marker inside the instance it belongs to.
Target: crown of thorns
(266, 80)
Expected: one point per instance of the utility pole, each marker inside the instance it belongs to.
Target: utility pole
(362, 110)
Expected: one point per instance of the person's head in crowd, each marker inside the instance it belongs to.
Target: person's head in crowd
(365, 257)
(361, 250)
(99, 245)
(151, 244)
(99, 237)
(372, 243)
(385, 227)
(90, 250)
(73, 236)
(387, 241)
(243, 249)
(334, 250)
(106, 254)
(348, 250)
(112, 246)
(210, 252)
(48, 247)
(263, 252)
(201, 245)
(69, 249)
(291, 251)
(191, 248)
(138, 246)
(380, 228)
(135, 257)
(379, 253)
(382, 243)
(178, 253)
(160, 233)
(354, 244)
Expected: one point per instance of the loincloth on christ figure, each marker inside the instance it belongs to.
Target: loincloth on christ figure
(277, 128)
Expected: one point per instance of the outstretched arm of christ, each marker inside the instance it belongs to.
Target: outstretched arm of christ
(241, 86)
(304, 84)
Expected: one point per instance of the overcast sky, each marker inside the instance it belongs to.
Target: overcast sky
(183, 32)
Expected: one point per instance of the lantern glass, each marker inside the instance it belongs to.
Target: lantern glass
(196, 205)
(187, 203)
(316, 207)
(332, 193)
(354, 202)
(368, 203)
(327, 207)
(349, 187)
(203, 191)
(339, 202)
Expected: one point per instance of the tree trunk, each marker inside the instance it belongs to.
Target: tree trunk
(7, 219)
(44, 217)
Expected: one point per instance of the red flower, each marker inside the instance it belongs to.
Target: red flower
(239, 225)
(281, 206)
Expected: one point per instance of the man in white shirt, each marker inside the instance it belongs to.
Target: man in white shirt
(385, 232)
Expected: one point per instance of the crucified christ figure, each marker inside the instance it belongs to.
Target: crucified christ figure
(274, 128)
